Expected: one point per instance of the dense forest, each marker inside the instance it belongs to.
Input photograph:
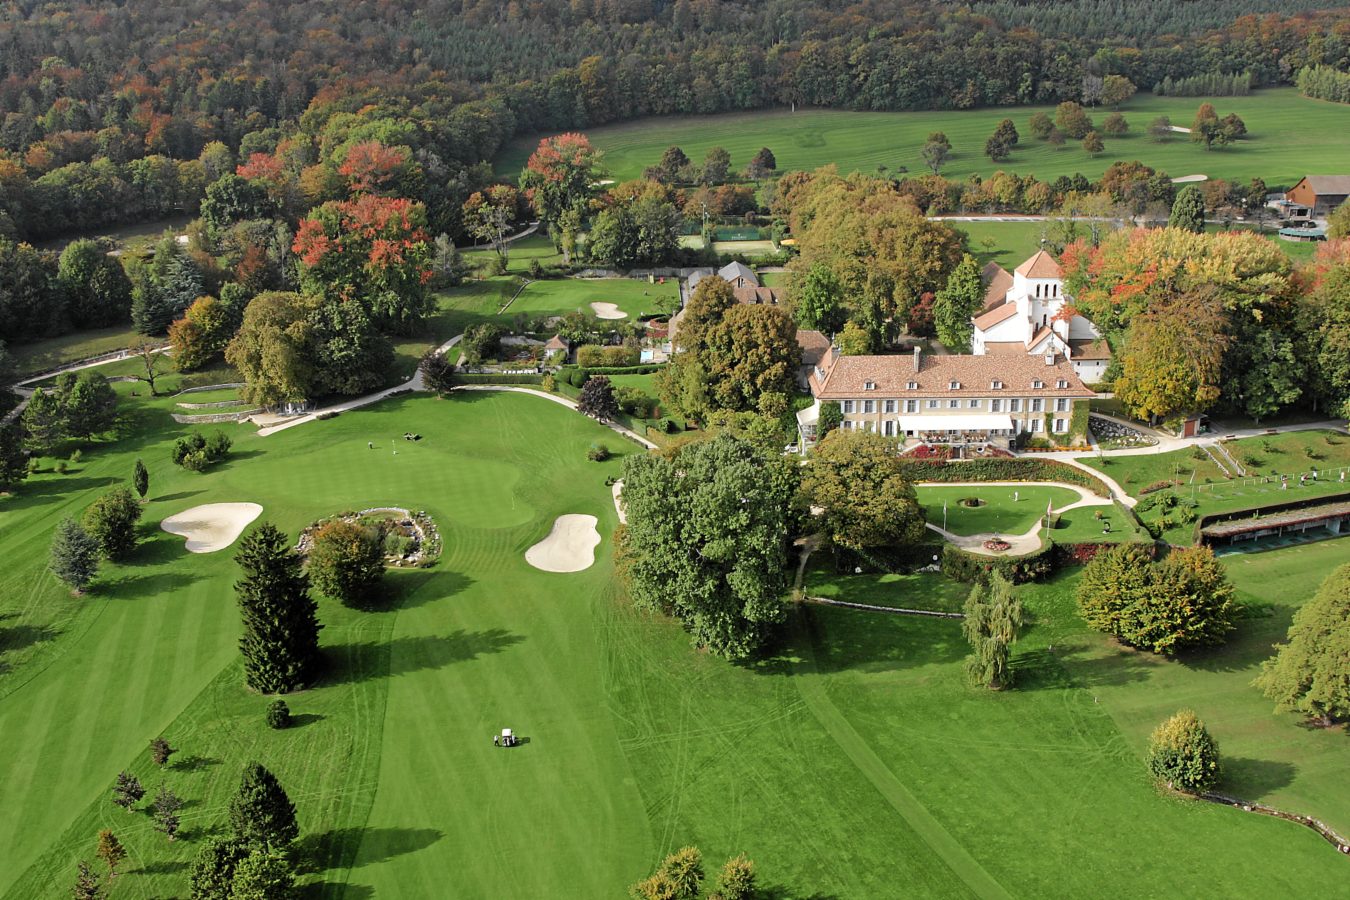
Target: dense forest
(119, 112)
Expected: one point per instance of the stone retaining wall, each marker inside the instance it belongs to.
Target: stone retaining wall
(215, 418)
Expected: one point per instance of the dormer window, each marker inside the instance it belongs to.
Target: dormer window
(912, 386)
(1037, 384)
(954, 386)
(996, 385)
(1061, 384)
(869, 385)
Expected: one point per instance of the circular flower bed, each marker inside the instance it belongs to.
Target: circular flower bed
(998, 545)
(971, 502)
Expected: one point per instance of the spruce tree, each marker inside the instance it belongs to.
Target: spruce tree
(127, 792)
(261, 814)
(1188, 210)
(111, 851)
(165, 809)
(74, 555)
(13, 461)
(213, 869)
(87, 886)
(281, 629)
(140, 479)
(263, 875)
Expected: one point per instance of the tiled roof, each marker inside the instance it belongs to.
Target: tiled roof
(1041, 334)
(995, 347)
(556, 343)
(1084, 349)
(755, 295)
(997, 282)
(813, 344)
(1042, 265)
(733, 270)
(974, 375)
(1334, 185)
(998, 314)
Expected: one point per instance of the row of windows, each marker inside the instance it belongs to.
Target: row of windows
(995, 385)
(891, 428)
(1047, 290)
(1014, 404)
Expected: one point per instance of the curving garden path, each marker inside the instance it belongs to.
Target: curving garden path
(1021, 544)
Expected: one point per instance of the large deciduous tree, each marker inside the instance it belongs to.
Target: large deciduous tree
(372, 250)
(1310, 674)
(993, 617)
(707, 539)
(819, 298)
(203, 332)
(1173, 357)
(558, 176)
(857, 478)
(273, 349)
(111, 521)
(636, 232)
(1183, 602)
(281, 627)
(960, 299)
(882, 249)
(488, 216)
(597, 399)
(347, 561)
(98, 293)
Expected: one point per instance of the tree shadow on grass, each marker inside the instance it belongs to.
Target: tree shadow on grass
(781, 892)
(18, 637)
(852, 640)
(195, 763)
(407, 655)
(341, 847)
(162, 867)
(1252, 779)
(408, 589)
(304, 719)
(30, 494)
(1083, 665)
(169, 498)
(235, 456)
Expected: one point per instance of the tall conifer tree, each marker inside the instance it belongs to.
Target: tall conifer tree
(281, 628)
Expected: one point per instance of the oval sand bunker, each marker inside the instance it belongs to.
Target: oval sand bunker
(608, 311)
(569, 547)
(213, 526)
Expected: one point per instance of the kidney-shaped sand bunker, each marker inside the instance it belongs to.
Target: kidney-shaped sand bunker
(212, 526)
(569, 547)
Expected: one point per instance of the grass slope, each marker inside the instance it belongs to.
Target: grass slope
(1289, 137)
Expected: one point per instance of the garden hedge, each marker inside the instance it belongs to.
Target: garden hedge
(959, 565)
(490, 378)
(1001, 469)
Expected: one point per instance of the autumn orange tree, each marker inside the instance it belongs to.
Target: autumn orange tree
(371, 250)
(558, 176)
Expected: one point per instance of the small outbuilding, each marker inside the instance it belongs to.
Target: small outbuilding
(1320, 193)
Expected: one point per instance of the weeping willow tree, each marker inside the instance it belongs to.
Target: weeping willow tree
(993, 618)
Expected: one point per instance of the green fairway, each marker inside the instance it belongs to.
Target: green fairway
(42, 356)
(998, 513)
(1007, 243)
(852, 760)
(558, 296)
(1289, 136)
(519, 253)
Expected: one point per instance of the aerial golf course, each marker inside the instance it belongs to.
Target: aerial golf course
(852, 763)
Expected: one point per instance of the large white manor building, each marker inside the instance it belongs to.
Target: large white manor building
(1025, 313)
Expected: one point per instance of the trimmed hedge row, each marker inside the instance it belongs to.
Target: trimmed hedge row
(959, 565)
(1001, 469)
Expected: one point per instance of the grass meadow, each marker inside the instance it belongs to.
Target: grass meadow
(851, 760)
(1289, 136)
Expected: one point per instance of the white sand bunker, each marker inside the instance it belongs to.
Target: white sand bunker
(608, 311)
(213, 526)
(569, 547)
(1190, 179)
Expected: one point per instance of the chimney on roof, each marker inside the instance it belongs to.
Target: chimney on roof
(918, 358)
(1050, 358)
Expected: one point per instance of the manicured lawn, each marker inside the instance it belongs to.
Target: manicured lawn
(999, 512)
(1082, 525)
(854, 759)
(1265, 458)
(1289, 136)
(41, 356)
(773, 279)
(536, 246)
(918, 591)
(559, 296)
(1007, 243)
